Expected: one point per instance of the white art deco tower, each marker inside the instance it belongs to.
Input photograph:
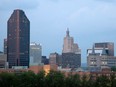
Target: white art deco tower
(69, 46)
(71, 54)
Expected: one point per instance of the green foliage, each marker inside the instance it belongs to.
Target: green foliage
(6, 79)
(103, 81)
(113, 68)
(40, 79)
(54, 79)
(72, 81)
(113, 80)
(26, 79)
(90, 82)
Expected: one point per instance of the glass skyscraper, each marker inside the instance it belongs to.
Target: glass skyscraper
(18, 39)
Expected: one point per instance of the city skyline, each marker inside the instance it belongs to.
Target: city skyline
(88, 21)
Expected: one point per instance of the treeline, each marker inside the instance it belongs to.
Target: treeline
(54, 79)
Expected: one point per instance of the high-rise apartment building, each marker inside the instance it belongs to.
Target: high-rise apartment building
(18, 39)
(35, 54)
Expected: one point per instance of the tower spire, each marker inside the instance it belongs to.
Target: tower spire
(67, 32)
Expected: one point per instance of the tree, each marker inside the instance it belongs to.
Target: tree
(102, 81)
(113, 80)
(90, 81)
(26, 79)
(113, 68)
(6, 79)
(54, 79)
(40, 79)
(84, 81)
(72, 81)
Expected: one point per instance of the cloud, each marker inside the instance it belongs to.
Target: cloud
(106, 0)
(11, 4)
(53, 0)
(99, 18)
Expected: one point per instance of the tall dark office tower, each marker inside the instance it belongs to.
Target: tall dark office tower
(18, 39)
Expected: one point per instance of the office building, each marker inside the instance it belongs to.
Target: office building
(98, 47)
(109, 47)
(18, 39)
(3, 60)
(55, 59)
(5, 46)
(69, 46)
(71, 60)
(1, 52)
(71, 54)
(45, 60)
(35, 54)
(101, 56)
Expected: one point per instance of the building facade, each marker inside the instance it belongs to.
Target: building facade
(55, 59)
(71, 60)
(71, 54)
(35, 54)
(109, 46)
(5, 46)
(69, 46)
(45, 60)
(3, 60)
(18, 39)
(101, 56)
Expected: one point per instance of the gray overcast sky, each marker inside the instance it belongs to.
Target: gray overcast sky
(89, 21)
